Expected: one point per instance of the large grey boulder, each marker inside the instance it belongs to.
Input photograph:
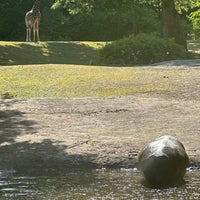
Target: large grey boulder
(163, 162)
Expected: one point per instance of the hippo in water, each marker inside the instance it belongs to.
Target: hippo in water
(163, 162)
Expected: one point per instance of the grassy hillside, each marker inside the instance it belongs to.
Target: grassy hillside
(21, 53)
(67, 81)
(61, 70)
(82, 53)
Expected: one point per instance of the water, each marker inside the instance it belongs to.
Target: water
(96, 185)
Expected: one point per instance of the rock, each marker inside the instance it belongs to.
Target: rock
(163, 162)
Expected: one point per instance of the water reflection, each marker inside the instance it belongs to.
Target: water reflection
(99, 184)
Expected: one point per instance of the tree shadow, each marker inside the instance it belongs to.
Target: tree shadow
(12, 124)
(46, 53)
(33, 157)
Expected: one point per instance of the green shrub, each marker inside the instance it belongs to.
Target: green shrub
(141, 49)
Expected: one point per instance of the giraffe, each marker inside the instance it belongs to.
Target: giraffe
(32, 20)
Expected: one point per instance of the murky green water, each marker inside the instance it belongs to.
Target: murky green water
(98, 184)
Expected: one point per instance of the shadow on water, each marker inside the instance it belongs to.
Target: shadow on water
(32, 157)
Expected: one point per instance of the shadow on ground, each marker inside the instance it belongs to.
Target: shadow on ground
(24, 156)
(46, 53)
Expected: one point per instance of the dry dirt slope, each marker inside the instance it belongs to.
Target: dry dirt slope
(95, 132)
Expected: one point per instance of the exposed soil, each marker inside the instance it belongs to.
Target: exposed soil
(97, 132)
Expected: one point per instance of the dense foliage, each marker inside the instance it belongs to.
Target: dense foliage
(91, 19)
(141, 49)
(195, 19)
(12, 23)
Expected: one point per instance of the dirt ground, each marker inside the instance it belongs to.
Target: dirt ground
(97, 132)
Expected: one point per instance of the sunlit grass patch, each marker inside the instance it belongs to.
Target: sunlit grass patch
(95, 45)
(10, 44)
(69, 81)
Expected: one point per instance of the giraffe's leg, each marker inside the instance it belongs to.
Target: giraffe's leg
(34, 31)
(27, 34)
(37, 31)
(38, 37)
(30, 30)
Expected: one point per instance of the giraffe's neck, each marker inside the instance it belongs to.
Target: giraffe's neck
(36, 6)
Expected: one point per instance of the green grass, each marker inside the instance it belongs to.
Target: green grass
(21, 53)
(61, 70)
(69, 81)
(79, 53)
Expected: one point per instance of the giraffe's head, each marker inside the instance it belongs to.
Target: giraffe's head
(36, 5)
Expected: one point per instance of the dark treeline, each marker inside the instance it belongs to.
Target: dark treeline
(100, 21)
(12, 23)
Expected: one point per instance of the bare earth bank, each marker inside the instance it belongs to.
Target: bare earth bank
(92, 132)
(99, 132)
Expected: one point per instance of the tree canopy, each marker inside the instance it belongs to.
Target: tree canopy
(96, 19)
(195, 18)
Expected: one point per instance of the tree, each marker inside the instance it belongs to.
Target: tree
(90, 19)
(171, 27)
(167, 9)
(194, 17)
(10, 14)
(108, 19)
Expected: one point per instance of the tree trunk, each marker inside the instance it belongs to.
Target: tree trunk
(171, 27)
(134, 17)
